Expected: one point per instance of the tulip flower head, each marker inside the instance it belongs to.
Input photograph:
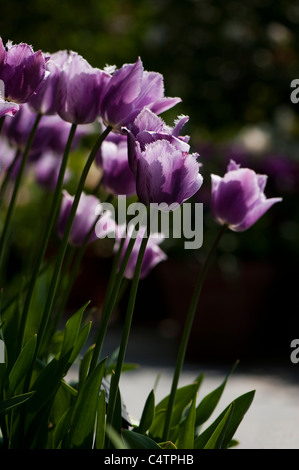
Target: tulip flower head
(7, 108)
(166, 174)
(79, 90)
(86, 216)
(128, 91)
(238, 199)
(159, 157)
(44, 101)
(47, 169)
(148, 128)
(153, 254)
(112, 158)
(22, 70)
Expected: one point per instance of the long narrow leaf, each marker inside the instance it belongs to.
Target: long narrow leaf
(10, 403)
(186, 430)
(148, 414)
(134, 440)
(71, 331)
(241, 406)
(209, 402)
(101, 421)
(216, 439)
(21, 365)
(83, 422)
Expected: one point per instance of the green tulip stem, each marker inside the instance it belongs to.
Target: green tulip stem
(47, 232)
(63, 245)
(111, 297)
(186, 333)
(8, 175)
(126, 332)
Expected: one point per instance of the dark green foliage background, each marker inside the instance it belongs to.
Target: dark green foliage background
(231, 62)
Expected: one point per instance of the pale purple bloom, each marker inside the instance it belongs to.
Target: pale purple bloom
(128, 91)
(44, 101)
(17, 130)
(79, 90)
(112, 158)
(147, 128)
(159, 157)
(8, 108)
(238, 199)
(47, 169)
(86, 216)
(52, 132)
(166, 174)
(22, 71)
(153, 253)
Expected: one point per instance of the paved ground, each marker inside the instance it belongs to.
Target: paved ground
(272, 422)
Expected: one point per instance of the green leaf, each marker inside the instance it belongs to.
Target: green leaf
(101, 421)
(186, 430)
(21, 366)
(147, 414)
(183, 398)
(81, 340)
(10, 403)
(84, 365)
(138, 441)
(241, 406)
(209, 402)
(83, 421)
(115, 437)
(215, 441)
(71, 332)
(64, 399)
(62, 428)
(117, 415)
(47, 384)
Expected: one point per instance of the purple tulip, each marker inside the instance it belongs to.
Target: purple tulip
(112, 158)
(79, 90)
(166, 174)
(47, 170)
(44, 101)
(17, 130)
(85, 218)
(238, 199)
(7, 108)
(52, 132)
(159, 157)
(128, 91)
(153, 254)
(147, 128)
(22, 71)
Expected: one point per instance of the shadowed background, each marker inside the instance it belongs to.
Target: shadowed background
(232, 65)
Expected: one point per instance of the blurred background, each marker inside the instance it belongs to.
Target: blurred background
(232, 64)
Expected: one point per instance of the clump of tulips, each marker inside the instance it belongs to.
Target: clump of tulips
(48, 103)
